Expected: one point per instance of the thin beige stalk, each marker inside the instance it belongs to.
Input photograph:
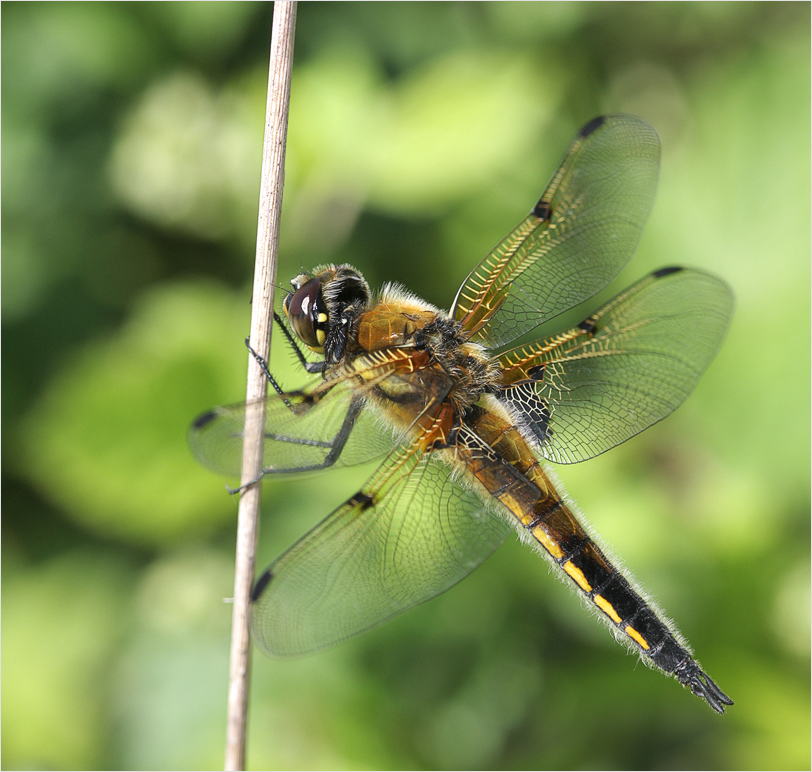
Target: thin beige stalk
(270, 208)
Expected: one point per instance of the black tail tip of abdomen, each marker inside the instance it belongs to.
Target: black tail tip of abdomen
(703, 686)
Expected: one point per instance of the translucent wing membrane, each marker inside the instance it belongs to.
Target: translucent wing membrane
(622, 369)
(408, 535)
(330, 424)
(575, 241)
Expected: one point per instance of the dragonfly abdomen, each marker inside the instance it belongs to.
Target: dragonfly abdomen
(556, 529)
(517, 480)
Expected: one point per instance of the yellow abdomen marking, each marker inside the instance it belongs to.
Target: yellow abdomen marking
(578, 576)
(632, 633)
(608, 609)
(548, 544)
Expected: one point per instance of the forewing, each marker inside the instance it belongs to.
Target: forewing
(624, 368)
(329, 424)
(408, 535)
(580, 234)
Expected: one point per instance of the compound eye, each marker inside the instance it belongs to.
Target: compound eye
(304, 311)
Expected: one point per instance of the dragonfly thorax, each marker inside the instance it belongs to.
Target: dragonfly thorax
(473, 373)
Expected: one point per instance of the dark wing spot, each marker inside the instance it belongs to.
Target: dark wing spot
(261, 584)
(667, 271)
(361, 500)
(537, 372)
(202, 420)
(591, 126)
(587, 326)
(542, 210)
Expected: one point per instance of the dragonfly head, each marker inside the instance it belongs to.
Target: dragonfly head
(322, 300)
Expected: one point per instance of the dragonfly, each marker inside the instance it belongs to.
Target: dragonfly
(465, 416)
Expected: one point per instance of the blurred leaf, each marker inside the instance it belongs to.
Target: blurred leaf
(774, 724)
(468, 105)
(188, 155)
(89, 45)
(170, 690)
(61, 623)
(209, 31)
(486, 106)
(791, 610)
(107, 441)
(171, 679)
(317, 712)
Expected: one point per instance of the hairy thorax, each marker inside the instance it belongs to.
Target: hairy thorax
(452, 366)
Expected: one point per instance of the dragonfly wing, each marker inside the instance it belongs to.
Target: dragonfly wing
(625, 367)
(408, 535)
(328, 424)
(581, 233)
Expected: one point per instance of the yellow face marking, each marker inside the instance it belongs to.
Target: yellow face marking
(547, 543)
(632, 633)
(607, 608)
(322, 318)
(578, 576)
(320, 336)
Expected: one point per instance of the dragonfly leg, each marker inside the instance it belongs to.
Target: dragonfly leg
(267, 373)
(264, 367)
(311, 367)
(336, 447)
(245, 486)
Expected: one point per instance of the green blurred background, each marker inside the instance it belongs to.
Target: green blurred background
(419, 134)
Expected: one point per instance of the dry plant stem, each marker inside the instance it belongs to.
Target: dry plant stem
(270, 208)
